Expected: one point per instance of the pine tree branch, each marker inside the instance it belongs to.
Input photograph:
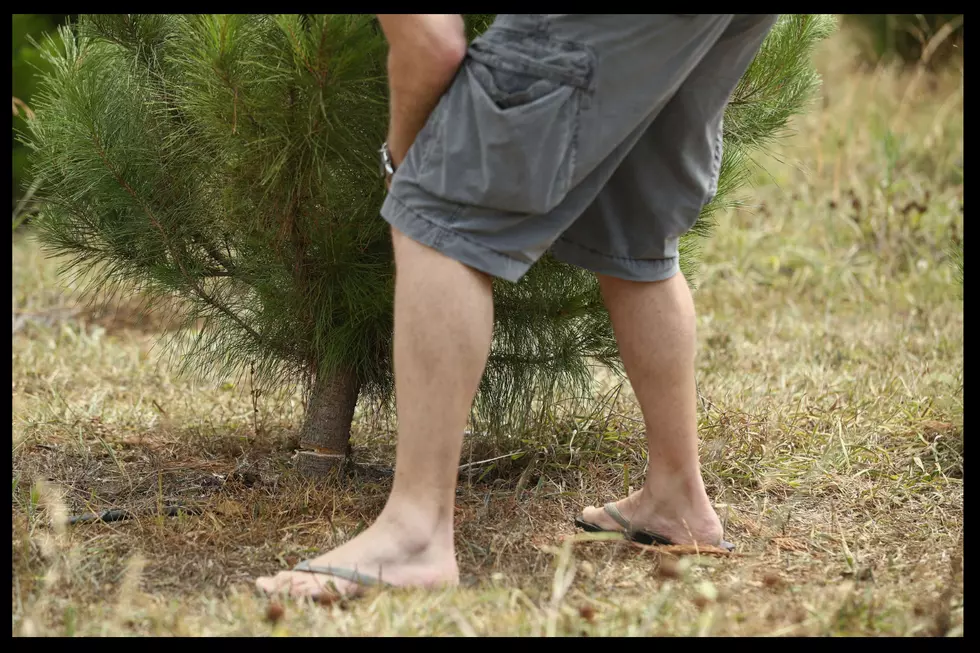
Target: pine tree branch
(200, 292)
(213, 272)
(298, 50)
(228, 267)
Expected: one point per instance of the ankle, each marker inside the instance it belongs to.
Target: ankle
(665, 492)
(417, 526)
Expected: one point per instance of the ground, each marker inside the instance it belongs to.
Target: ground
(831, 381)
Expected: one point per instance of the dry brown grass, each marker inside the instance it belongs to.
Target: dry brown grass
(831, 370)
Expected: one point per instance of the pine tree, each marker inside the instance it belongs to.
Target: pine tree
(230, 161)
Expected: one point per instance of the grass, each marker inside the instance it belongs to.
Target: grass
(831, 375)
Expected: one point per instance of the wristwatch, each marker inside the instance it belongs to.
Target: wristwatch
(387, 165)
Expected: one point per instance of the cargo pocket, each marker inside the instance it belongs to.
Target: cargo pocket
(505, 133)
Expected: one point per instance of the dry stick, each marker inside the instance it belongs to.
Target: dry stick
(17, 218)
(937, 39)
(488, 460)
(697, 388)
(107, 516)
(20, 104)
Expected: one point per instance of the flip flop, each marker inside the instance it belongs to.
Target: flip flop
(343, 573)
(639, 536)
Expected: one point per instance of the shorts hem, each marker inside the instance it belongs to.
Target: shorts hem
(629, 269)
(451, 243)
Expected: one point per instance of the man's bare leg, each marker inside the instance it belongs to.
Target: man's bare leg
(443, 321)
(443, 325)
(656, 330)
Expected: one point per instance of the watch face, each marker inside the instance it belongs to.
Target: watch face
(387, 166)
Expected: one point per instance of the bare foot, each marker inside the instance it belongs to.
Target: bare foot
(394, 552)
(679, 523)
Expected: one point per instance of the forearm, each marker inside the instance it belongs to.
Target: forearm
(425, 51)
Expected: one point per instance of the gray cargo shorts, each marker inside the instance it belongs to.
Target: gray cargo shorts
(595, 137)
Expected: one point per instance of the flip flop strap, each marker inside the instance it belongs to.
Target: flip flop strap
(342, 573)
(617, 516)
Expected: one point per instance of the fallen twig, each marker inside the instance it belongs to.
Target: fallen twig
(114, 515)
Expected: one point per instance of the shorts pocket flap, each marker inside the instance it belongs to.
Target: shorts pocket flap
(531, 54)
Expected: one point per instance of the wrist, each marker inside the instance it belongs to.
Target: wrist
(388, 165)
(397, 149)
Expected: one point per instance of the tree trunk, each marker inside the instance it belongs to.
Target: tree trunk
(325, 438)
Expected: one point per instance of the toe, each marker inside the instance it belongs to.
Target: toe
(589, 514)
(313, 586)
(304, 585)
(598, 517)
(269, 584)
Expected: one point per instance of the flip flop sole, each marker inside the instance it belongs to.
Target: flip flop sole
(592, 528)
(360, 581)
(640, 537)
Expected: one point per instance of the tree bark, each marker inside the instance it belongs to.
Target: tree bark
(325, 438)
